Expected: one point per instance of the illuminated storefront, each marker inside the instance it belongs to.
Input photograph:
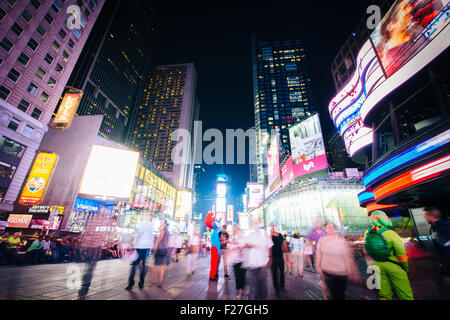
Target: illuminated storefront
(297, 207)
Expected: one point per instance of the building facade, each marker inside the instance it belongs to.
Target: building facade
(402, 97)
(282, 93)
(39, 48)
(168, 103)
(114, 63)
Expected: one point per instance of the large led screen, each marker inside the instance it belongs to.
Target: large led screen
(406, 29)
(308, 151)
(109, 172)
(255, 195)
(273, 164)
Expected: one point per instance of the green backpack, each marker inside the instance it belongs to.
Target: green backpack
(376, 245)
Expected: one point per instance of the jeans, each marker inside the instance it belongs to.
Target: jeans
(278, 265)
(258, 284)
(142, 256)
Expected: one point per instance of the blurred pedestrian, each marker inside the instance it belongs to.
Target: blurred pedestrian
(307, 254)
(224, 239)
(440, 234)
(54, 248)
(314, 235)
(296, 253)
(276, 260)
(171, 248)
(12, 246)
(193, 252)
(46, 251)
(335, 263)
(237, 246)
(34, 252)
(65, 249)
(3, 251)
(143, 243)
(178, 245)
(258, 246)
(161, 252)
(386, 248)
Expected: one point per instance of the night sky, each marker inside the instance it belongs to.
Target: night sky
(216, 37)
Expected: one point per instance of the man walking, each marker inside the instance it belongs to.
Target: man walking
(143, 243)
(314, 235)
(224, 239)
(440, 233)
(276, 260)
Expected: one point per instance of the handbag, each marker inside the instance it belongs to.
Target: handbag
(48, 252)
(131, 257)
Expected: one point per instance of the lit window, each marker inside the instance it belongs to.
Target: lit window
(41, 73)
(44, 96)
(14, 124)
(32, 88)
(27, 131)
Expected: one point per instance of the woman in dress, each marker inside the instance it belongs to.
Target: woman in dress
(161, 253)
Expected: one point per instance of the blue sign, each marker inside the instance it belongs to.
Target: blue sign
(87, 205)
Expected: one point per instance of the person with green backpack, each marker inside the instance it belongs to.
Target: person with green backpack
(388, 252)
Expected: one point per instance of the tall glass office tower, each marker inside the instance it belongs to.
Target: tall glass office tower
(282, 92)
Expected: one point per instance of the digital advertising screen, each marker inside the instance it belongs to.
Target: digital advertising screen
(273, 164)
(287, 172)
(254, 195)
(19, 220)
(307, 147)
(67, 109)
(109, 172)
(406, 29)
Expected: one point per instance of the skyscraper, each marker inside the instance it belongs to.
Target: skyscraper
(282, 92)
(113, 65)
(39, 47)
(168, 103)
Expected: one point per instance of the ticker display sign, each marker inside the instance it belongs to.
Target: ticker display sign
(67, 109)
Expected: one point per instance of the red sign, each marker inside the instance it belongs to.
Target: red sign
(39, 224)
(273, 164)
(19, 220)
(287, 172)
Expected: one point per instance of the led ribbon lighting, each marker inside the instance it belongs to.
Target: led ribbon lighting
(407, 156)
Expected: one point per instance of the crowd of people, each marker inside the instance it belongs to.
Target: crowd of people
(250, 255)
(18, 249)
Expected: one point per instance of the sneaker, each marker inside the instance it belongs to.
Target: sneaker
(129, 288)
(141, 286)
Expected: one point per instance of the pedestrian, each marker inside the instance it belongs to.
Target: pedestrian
(237, 246)
(193, 252)
(143, 243)
(296, 252)
(171, 248)
(258, 246)
(3, 251)
(46, 251)
(12, 246)
(54, 248)
(307, 254)
(276, 260)
(65, 249)
(335, 263)
(314, 235)
(440, 234)
(224, 238)
(34, 252)
(178, 245)
(287, 265)
(386, 248)
(161, 253)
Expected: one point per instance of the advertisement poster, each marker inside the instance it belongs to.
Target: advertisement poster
(273, 164)
(308, 151)
(67, 109)
(230, 213)
(287, 172)
(406, 29)
(19, 220)
(37, 182)
(255, 195)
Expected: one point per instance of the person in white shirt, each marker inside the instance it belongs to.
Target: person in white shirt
(143, 243)
(194, 249)
(236, 256)
(297, 247)
(257, 252)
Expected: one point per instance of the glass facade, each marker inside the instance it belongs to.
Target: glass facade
(330, 201)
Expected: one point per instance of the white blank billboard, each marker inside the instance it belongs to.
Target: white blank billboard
(109, 172)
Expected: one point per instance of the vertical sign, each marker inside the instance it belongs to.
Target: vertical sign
(230, 213)
(67, 109)
(40, 175)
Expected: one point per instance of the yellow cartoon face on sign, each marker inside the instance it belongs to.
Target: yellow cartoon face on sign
(38, 179)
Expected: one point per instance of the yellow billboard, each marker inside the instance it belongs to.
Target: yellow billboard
(38, 179)
(67, 109)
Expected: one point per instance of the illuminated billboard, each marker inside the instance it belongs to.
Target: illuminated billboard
(273, 164)
(221, 205)
(230, 213)
(406, 29)
(38, 179)
(221, 189)
(307, 147)
(109, 172)
(19, 220)
(254, 195)
(410, 36)
(67, 108)
(183, 205)
(287, 172)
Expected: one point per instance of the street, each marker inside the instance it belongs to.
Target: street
(58, 282)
